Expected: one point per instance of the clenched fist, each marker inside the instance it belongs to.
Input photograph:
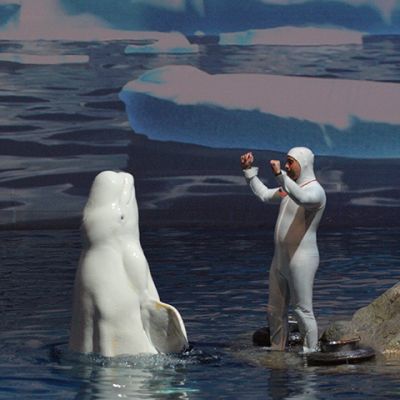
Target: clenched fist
(246, 160)
(275, 166)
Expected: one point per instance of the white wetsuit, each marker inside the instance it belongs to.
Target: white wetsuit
(296, 256)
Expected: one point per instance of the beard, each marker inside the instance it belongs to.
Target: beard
(292, 175)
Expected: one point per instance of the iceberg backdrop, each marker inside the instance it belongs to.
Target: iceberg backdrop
(214, 16)
(88, 18)
(175, 91)
(334, 117)
(292, 36)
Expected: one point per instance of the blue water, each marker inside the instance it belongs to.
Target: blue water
(61, 124)
(217, 278)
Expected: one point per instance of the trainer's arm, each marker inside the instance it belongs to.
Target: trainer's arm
(264, 193)
(308, 196)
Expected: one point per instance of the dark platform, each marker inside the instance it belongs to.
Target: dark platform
(341, 357)
(346, 351)
(261, 337)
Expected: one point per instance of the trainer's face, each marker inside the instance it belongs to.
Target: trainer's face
(293, 168)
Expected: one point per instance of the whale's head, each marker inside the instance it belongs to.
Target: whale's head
(111, 210)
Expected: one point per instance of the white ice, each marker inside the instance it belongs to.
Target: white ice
(171, 43)
(334, 102)
(38, 59)
(292, 36)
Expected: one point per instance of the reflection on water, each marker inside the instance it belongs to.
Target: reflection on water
(303, 387)
(218, 280)
(110, 383)
(150, 377)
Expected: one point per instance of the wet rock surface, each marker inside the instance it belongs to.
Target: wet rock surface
(377, 325)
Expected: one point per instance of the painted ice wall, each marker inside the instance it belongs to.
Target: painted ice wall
(209, 16)
(334, 117)
(175, 90)
(214, 16)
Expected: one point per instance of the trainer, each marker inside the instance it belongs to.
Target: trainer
(296, 257)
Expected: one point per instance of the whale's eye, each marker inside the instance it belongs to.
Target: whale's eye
(122, 217)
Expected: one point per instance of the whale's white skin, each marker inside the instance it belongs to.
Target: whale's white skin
(116, 306)
(296, 256)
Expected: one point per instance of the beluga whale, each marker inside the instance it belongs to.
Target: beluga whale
(116, 306)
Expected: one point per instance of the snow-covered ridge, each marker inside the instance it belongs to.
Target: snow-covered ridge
(292, 36)
(172, 43)
(324, 101)
(333, 116)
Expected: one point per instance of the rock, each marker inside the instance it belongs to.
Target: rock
(377, 325)
(338, 330)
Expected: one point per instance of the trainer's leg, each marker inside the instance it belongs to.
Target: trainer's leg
(278, 304)
(302, 272)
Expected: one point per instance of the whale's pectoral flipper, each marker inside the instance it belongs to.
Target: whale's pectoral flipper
(164, 326)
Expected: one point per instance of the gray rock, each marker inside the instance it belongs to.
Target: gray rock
(338, 330)
(378, 324)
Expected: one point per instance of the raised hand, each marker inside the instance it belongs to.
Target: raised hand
(246, 160)
(275, 166)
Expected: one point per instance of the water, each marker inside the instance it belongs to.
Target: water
(61, 124)
(218, 281)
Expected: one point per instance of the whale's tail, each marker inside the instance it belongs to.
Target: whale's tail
(164, 327)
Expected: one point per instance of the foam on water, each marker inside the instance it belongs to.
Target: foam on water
(192, 356)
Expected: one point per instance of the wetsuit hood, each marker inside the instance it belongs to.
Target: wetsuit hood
(305, 157)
